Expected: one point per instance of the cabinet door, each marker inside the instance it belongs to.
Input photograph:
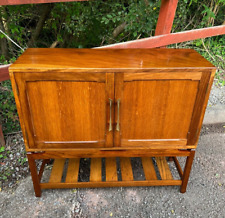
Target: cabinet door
(66, 110)
(155, 109)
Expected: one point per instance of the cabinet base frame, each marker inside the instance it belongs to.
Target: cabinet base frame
(162, 178)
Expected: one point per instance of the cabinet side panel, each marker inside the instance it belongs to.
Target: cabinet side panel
(200, 107)
(67, 111)
(18, 106)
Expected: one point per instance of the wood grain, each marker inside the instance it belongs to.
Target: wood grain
(119, 80)
(148, 168)
(72, 170)
(109, 96)
(162, 76)
(54, 124)
(36, 76)
(164, 169)
(39, 59)
(167, 106)
(110, 169)
(187, 171)
(126, 169)
(57, 171)
(110, 152)
(111, 184)
(160, 143)
(19, 109)
(83, 120)
(34, 175)
(96, 170)
(200, 107)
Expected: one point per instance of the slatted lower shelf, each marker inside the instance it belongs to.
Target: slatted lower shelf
(111, 172)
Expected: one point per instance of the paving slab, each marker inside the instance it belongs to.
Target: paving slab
(215, 111)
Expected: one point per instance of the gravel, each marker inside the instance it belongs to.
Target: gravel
(217, 96)
(14, 165)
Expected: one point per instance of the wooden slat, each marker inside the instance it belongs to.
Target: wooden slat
(166, 17)
(57, 171)
(4, 72)
(164, 169)
(111, 184)
(96, 170)
(149, 169)
(126, 169)
(168, 39)
(111, 169)
(72, 170)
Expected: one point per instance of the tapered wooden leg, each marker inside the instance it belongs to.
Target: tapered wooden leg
(34, 175)
(187, 171)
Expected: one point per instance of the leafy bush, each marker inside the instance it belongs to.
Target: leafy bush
(8, 112)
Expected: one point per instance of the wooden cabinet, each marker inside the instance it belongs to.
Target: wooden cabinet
(111, 103)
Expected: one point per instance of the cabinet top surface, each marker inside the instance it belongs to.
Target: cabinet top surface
(59, 58)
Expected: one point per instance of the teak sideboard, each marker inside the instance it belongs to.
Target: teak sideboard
(111, 105)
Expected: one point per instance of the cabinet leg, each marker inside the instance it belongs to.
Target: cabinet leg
(34, 175)
(187, 171)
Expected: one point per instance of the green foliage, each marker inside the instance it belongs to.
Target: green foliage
(1, 150)
(216, 55)
(208, 13)
(8, 112)
(22, 161)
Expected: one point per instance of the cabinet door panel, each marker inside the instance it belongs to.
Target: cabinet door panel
(156, 112)
(66, 113)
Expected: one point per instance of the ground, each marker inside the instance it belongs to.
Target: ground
(204, 197)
